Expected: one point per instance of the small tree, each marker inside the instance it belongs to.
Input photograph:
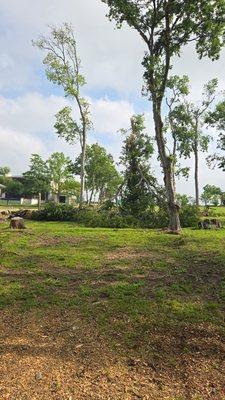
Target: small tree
(63, 67)
(4, 172)
(177, 90)
(14, 188)
(166, 27)
(211, 195)
(61, 176)
(102, 177)
(188, 120)
(216, 118)
(37, 179)
(139, 190)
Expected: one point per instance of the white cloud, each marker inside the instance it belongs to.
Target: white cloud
(26, 126)
(109, 56)
(33, 112)
(110, 116)
(17, 146)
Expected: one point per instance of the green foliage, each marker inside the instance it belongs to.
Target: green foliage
(4, 171)
(216, 118)
(187, 120)
(55, 212)
(166, 27)
(62, 181)
(14, 188)
(101, 175)
(189, 216)
(112, 218)
(63, 68)
(66, 127)
(139, 189)
(211, 195)
(37, 179)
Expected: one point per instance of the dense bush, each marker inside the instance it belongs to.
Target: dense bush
(55, 212)
(189, 216)
(153, 218)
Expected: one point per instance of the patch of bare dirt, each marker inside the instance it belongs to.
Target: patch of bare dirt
(53, 241)
(126, 253)
(61, 356)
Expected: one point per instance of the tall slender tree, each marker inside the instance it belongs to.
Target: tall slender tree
(188, 120)
(216, 119)
(63, 67)
(165, 27)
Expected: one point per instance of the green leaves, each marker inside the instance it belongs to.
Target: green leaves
(66, 127)
(37, 179)
(63, 68)
(101, 175)
(167, 26)
(211, 194)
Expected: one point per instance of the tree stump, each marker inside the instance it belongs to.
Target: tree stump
(17, 223)
(210, 224)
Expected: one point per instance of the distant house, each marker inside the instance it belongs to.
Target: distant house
(33, 200)
(2, 191)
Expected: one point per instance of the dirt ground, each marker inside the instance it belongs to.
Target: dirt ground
(60, 356)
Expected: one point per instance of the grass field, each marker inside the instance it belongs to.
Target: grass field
(111, 314)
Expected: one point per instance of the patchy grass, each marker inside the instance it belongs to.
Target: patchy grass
(137, 311)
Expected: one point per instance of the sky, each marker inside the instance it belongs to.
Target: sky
(111, 61)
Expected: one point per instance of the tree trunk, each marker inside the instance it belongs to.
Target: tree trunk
(87, 196)
(82, 172)
(196, 175)
(173, 207)
(167, 165)
(91, 196)
(39, 201)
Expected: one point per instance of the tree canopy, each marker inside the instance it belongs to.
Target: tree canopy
(166, 27)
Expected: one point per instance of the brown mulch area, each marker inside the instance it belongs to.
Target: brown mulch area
(61, 356)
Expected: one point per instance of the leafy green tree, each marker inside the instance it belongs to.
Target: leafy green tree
(14, 188)
(177, 90)
(166, 27)
(37, 179)
(184, 200)
(188, 121)
(63, 67)
(139, 190)
(101, 175)
(211, 195)
(216, 118)
(4, 172)
(62, 181)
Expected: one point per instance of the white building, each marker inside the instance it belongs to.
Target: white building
(2, 191)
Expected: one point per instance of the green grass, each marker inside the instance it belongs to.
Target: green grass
(142, 276)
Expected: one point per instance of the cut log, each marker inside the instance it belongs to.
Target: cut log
(17, 223)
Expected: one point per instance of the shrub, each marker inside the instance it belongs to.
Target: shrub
(55, 212)
(152, 218)
(189, 216)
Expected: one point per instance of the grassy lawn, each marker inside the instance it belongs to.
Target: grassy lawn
(111, 314)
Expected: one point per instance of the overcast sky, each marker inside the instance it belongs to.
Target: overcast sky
(111, 61)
